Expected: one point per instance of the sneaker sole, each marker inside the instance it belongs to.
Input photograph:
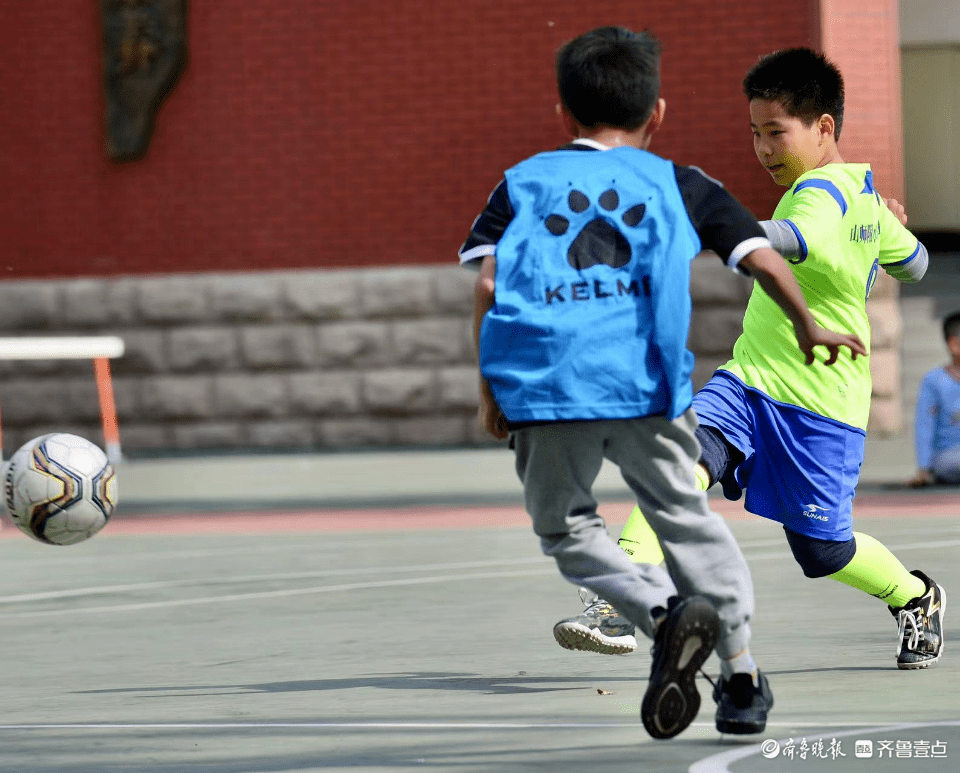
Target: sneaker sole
(573, 636)
(672, 701)
(920, 664)
(741, 728)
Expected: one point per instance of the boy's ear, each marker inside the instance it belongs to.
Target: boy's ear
(827, 126)
(570, 125)
(655, 121)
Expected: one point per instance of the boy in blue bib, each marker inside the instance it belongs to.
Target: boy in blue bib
(582, 310)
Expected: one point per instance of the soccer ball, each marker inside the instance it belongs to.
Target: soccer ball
(59, 489)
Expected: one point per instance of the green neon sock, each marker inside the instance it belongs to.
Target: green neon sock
(637, 539)
(703, 477)
(876, 571)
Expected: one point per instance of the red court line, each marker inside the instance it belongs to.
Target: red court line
(437, 517)
(370, 519)
(320, 520)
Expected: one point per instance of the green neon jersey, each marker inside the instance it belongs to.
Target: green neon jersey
(846, 233)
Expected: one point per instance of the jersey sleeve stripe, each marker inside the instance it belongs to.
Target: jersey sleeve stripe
(796, 231)
(829, 187)
(906, 260)
(912, 269)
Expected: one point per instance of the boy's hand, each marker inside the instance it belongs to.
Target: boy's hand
(778, 281)
(489, 416)
(897, 208)
(818, 336)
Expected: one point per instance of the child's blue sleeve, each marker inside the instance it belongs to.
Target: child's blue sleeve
(925, 426)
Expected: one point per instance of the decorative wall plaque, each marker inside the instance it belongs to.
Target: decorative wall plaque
(144, 51)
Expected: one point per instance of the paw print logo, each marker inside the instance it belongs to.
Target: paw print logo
(598, 242)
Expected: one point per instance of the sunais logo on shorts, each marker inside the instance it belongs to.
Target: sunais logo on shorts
(816, 513)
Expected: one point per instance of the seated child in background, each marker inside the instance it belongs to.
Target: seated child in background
(937, 426)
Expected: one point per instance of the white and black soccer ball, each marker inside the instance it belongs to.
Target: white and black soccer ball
(59, 489)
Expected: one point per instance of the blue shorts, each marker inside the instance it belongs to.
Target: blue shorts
(798, 468)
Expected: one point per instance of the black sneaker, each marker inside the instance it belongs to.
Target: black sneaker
(742, 706)
(599, 628)
(920, 635)
(684, 640)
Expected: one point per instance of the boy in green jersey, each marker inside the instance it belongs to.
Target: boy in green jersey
(790, 433)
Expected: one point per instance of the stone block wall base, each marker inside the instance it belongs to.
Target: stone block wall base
(299, 360)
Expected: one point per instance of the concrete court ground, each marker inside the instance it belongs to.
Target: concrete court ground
(211, 637)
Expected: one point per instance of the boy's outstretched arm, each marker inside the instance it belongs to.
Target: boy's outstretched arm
(489, 416)
(777, 280)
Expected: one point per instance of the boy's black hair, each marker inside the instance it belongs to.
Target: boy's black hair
(610, 76)
(951, 325)
(805, 82)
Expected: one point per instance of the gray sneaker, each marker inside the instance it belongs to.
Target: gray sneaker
(920, 620)
(599, 628)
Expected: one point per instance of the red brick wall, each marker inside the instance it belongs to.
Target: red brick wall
(864, 41)
(305, 134)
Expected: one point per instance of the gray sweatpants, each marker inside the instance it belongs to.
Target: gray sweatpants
(558, 464)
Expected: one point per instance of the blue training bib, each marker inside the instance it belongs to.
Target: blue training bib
(592, 296)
